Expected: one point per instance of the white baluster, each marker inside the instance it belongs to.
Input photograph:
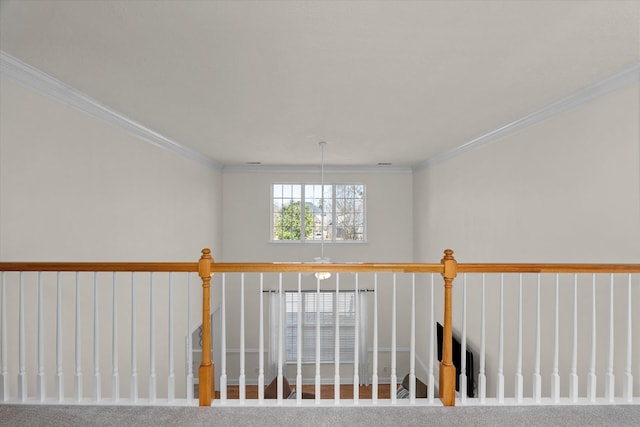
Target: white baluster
(463, 350)
(299, 343)
(115, 375)
(500, 390)
(412, 341)
(519, 378)
(223, 343)
(394, 379)
(374, 377)
(336, 379)
(281, 310)
(152, 342)
(171, 380)
(40, 383)
(260, 344)
(627, 390)
(317, 379)
(555, 377)
(22, 368)
(97, 386)
(78, 354)
(482, 378)
(591, 379)
(242, 379)
(432, 339)
(573, 383)
(134, 344)
(189, 344)
(537, 378)
(59, 374)
(4, 371)
(609, 383)
(356, 350)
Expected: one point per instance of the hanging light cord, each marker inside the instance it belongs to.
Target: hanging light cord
(322, 145)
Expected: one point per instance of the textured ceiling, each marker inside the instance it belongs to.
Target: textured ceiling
(380, 81)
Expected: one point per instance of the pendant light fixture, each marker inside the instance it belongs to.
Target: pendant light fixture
(322, 275)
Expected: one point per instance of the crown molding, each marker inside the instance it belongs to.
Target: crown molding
(59, 91)
(608, 84)
(314, 169)
(47, 85)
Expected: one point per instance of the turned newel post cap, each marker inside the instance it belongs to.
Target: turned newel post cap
(449, 264)
(204, 265)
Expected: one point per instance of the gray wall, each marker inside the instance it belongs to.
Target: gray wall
(246, 237)
(564, 190)
(73, 188)
(78, 189)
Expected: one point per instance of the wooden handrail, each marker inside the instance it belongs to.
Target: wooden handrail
(275, 267)
(548, 268)
(101, 266)
(279, 267)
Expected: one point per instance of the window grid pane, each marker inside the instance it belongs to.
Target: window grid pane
(334, 213)
(320, 206)
(349, 212)
(286, 206)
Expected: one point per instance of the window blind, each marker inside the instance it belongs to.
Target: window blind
(330, 305)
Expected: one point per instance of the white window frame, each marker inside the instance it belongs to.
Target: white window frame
(332, 229)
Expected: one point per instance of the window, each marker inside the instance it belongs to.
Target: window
(303, 212)
(326, 303)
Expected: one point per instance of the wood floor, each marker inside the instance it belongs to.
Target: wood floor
(326, 391)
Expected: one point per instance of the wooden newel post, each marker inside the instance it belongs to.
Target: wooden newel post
(205, 373)
(447, 370)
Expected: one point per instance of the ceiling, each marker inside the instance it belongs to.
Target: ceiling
(381, 81)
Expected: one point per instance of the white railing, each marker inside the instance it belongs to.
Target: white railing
(122, 318)
(542, 333)
(571, 332)
(389, 341)
(530, 335)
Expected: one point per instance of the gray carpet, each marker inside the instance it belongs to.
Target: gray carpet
(45, 415)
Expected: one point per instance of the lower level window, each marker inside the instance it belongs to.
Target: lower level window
(331, 307)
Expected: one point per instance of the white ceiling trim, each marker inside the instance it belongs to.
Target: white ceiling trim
(582, 96)
(317, 169)
(43, 83)
(57, 90)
